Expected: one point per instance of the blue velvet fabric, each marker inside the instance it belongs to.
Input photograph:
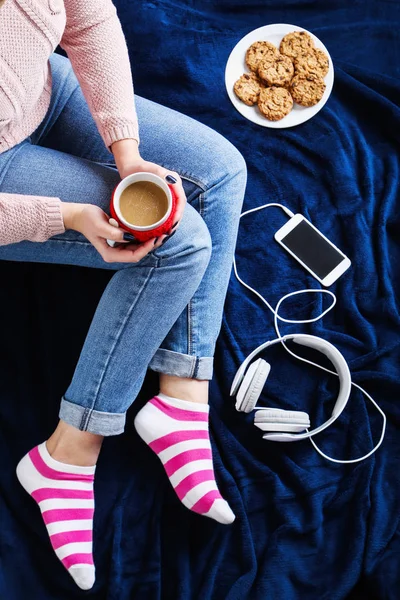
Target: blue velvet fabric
(306, 529)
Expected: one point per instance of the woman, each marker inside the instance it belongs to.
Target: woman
(67, 136)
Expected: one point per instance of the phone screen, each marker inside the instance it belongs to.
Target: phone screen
(312, 249)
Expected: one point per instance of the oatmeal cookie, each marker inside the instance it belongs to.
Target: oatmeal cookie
(296, 43)
(307, 90)
(277, 71)
(258, 52)
(313, 63)
(247, 88)
(275, 103)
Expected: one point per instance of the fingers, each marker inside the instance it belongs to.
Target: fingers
(108, 231)
(129, 254)
(180, 194)
(160, 240)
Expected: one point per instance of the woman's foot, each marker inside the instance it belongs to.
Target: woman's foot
(177, 431)
(65, 497)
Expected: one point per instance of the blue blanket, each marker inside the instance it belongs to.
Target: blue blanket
(306, 529)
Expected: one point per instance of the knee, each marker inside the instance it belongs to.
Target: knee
(233, 162)
(223, 159)
(194, 238)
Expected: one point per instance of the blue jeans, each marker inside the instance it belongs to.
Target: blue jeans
(164, 312)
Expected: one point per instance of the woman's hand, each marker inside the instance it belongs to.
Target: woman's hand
(128, 161)
(93, 223)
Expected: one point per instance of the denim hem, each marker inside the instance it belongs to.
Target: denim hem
(94, 421)
(182, 365)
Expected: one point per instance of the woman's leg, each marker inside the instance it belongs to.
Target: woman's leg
(137, 309)
(141, 301)
(214, 177)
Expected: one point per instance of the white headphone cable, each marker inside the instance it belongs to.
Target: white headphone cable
(305, 321)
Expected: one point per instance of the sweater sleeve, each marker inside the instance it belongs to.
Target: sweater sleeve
(31, 218)
(95, 44)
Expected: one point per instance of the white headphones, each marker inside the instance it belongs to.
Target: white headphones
(287, 425)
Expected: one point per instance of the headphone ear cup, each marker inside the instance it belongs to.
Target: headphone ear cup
(275, 419)
(252, 385)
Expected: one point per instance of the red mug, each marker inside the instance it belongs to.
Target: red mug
(144, 232)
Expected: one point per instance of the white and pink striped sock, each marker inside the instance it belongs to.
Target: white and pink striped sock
(65, 497)
(177, 431)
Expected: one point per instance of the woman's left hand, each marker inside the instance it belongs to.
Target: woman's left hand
(128, 161)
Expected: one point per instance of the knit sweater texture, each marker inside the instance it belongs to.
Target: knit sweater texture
(91, 34)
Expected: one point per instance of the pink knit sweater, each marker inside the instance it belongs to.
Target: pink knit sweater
(91, 34)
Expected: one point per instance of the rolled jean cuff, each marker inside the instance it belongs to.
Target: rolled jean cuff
(93, 421)
(182, 365)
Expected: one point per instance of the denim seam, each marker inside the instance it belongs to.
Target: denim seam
(89, 244)
(190, 306)
(194, 180)
(182, 174)
(123, 324)
(272, 194)
(196, 367)
(60, 241)
(193, 364)
(104, 164)
(189, 327)
(85, 419)
(191, 178)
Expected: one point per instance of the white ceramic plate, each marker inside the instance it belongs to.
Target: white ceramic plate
(236, 66)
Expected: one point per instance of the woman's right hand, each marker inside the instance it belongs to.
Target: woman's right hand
(93, 223)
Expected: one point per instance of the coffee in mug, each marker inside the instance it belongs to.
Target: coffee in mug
(144, 205)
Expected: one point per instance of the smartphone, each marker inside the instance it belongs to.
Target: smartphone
(312, 250)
